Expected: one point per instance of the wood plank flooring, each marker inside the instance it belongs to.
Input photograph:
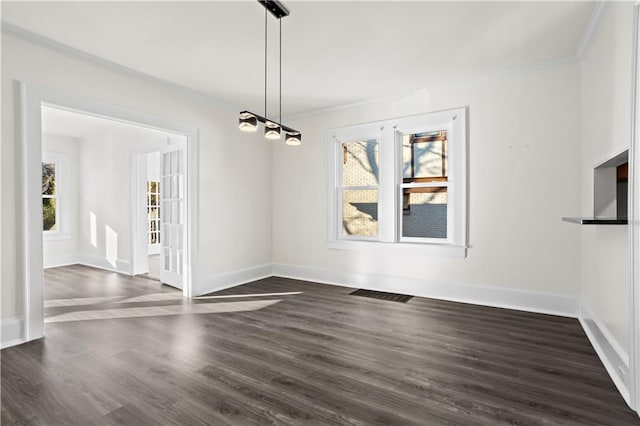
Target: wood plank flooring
(129, 351)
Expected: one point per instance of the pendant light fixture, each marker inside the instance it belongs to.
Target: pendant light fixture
(248, 121)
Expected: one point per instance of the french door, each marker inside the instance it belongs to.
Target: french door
(172, 219)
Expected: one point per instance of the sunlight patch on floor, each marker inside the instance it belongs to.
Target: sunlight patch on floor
(152, 311)
(56, 303)
(227, 296)
(152, 297)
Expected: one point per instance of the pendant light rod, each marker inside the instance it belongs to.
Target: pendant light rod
(265, 62)
(280, 72)
(248, 121)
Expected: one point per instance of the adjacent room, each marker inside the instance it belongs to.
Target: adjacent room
(99, 210)
(317, 212)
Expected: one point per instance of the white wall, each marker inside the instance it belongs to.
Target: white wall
(153, 166)
(106, 161)
(606, 131)
(63, 251)
(235, 168)
(524, 175)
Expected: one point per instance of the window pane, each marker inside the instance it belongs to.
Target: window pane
(174, 162)
(360, 163)
(48, 178)
(49, 214)
(424, 155)
(166, 187)
(424, 212)
(360, 212)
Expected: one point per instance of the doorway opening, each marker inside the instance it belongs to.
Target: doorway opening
(88, 218)
(94, 231)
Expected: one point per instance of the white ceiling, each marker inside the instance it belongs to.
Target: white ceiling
(334, 53)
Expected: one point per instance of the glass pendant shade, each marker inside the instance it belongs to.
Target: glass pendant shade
(271, 130)
(248, 122)
(293, 138)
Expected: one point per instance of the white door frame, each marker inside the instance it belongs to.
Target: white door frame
(634, 221)
(29, 256)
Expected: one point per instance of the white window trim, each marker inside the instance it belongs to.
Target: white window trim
(389, 190)
(61, 160)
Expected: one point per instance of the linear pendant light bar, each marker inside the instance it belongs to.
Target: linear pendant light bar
(248, 121)
(265, 120)
(276, 8)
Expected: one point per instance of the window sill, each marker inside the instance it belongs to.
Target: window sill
(443, 250)
(55, 236)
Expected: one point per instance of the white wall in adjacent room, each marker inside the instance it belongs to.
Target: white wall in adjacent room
(153, 166)
(523, 173)
(106, 166)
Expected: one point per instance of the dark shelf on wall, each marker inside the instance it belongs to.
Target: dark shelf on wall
(610, 193)
(596, 220)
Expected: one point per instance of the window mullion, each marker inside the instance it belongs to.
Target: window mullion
(387, 214)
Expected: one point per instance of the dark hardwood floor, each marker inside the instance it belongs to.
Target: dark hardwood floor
(126, 350)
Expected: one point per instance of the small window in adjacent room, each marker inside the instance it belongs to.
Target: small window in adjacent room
(400, 181)
(50, 206)
(55, 192)
(153, 212)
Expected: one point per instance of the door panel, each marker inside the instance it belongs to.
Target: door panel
(172, 173)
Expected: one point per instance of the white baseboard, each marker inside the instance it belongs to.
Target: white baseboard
(122, 266)
(478, 295)
(232, 279)
(11, 332)
(57, 261)
(614, 357)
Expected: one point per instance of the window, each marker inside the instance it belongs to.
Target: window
(400, 181)
(56, 215)
(50, 212)
(153, 212)
(359, 192)
(424, 185)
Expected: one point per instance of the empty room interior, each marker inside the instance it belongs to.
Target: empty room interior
(320, 212)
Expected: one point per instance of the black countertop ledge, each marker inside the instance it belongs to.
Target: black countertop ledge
(596, 220)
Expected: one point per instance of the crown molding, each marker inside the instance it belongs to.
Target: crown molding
(67, 50)
(592, 28)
